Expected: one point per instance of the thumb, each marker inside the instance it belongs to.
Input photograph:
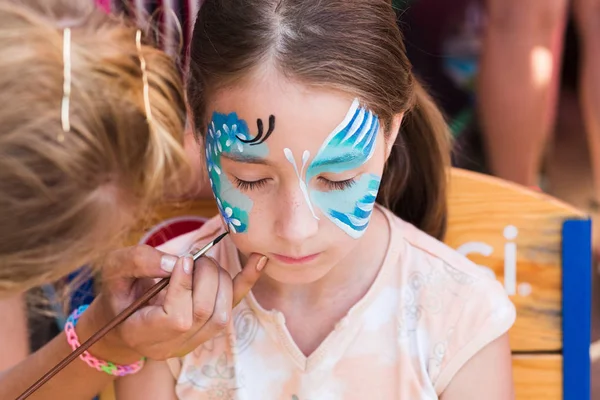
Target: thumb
(247, 277)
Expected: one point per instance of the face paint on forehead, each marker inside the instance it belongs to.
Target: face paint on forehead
(228, 134)
(349, 146)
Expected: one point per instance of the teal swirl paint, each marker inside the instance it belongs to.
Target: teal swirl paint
(225, 136)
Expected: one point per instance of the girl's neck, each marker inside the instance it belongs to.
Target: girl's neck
(344, 285)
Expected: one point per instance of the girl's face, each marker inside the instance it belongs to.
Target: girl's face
(295, 172)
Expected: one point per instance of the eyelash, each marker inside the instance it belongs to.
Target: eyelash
(246, 185)
(338, 185)
(259, 184)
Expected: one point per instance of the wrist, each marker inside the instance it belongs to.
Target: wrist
(110, 347)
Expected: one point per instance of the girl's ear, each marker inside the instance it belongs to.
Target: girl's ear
(394, 131)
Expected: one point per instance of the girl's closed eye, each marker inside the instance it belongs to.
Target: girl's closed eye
(250, 185)
(337, 185)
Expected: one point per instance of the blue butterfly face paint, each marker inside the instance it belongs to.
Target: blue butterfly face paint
(350, 209)
(348, 147)
(228, 135)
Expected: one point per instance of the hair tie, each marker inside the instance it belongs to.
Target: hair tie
(138, 43)
(64, 116)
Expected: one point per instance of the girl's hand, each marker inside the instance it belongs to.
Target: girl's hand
(195, 306)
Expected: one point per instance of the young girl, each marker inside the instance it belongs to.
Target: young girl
(326, 155)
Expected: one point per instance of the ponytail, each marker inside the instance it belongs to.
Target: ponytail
(414, 181)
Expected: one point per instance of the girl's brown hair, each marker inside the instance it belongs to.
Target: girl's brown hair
(351, 45)
(62, 203)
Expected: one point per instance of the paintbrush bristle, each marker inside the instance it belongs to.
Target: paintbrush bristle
(218, 239)
(209, 246)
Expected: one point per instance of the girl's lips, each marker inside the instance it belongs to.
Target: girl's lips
(295, 260)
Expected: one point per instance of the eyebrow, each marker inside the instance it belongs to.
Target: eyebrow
(349, 157)
(245, 158)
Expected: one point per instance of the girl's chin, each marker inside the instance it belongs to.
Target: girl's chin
(295, 274)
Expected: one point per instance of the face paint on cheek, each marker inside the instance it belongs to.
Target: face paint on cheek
(350, 209)
(234, 206)
(226, 135)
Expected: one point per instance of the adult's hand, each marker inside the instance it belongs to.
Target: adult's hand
(195, 306)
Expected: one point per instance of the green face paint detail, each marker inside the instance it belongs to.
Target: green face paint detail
(223, 137)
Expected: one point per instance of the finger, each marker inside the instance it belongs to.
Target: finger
(247, 277)
(204, 291)
(139, 261)
(143, 285)
(224, 301)
(220, 317)
(178, 299)
(158, 299)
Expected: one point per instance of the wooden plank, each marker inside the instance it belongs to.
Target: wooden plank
(538, 377)
(516, 234)
(203, 208)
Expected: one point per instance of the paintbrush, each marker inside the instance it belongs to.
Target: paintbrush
(122, 316)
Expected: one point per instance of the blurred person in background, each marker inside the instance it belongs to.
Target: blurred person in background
(519, 80)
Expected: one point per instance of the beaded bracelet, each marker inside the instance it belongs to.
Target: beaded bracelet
(100, 365)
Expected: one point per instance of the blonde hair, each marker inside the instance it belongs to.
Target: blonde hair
(65, 202)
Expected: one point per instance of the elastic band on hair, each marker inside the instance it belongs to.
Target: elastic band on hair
(138, 43)
(64, 115)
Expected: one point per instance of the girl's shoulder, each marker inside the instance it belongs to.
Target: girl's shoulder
(417, 250)
(452, 304)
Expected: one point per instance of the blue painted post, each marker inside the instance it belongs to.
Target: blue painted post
(576, 306)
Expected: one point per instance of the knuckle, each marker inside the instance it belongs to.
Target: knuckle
(182, 324)
(220, 324)
(187, 284)
(202, 313)
(220, 319)
(139, 254)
